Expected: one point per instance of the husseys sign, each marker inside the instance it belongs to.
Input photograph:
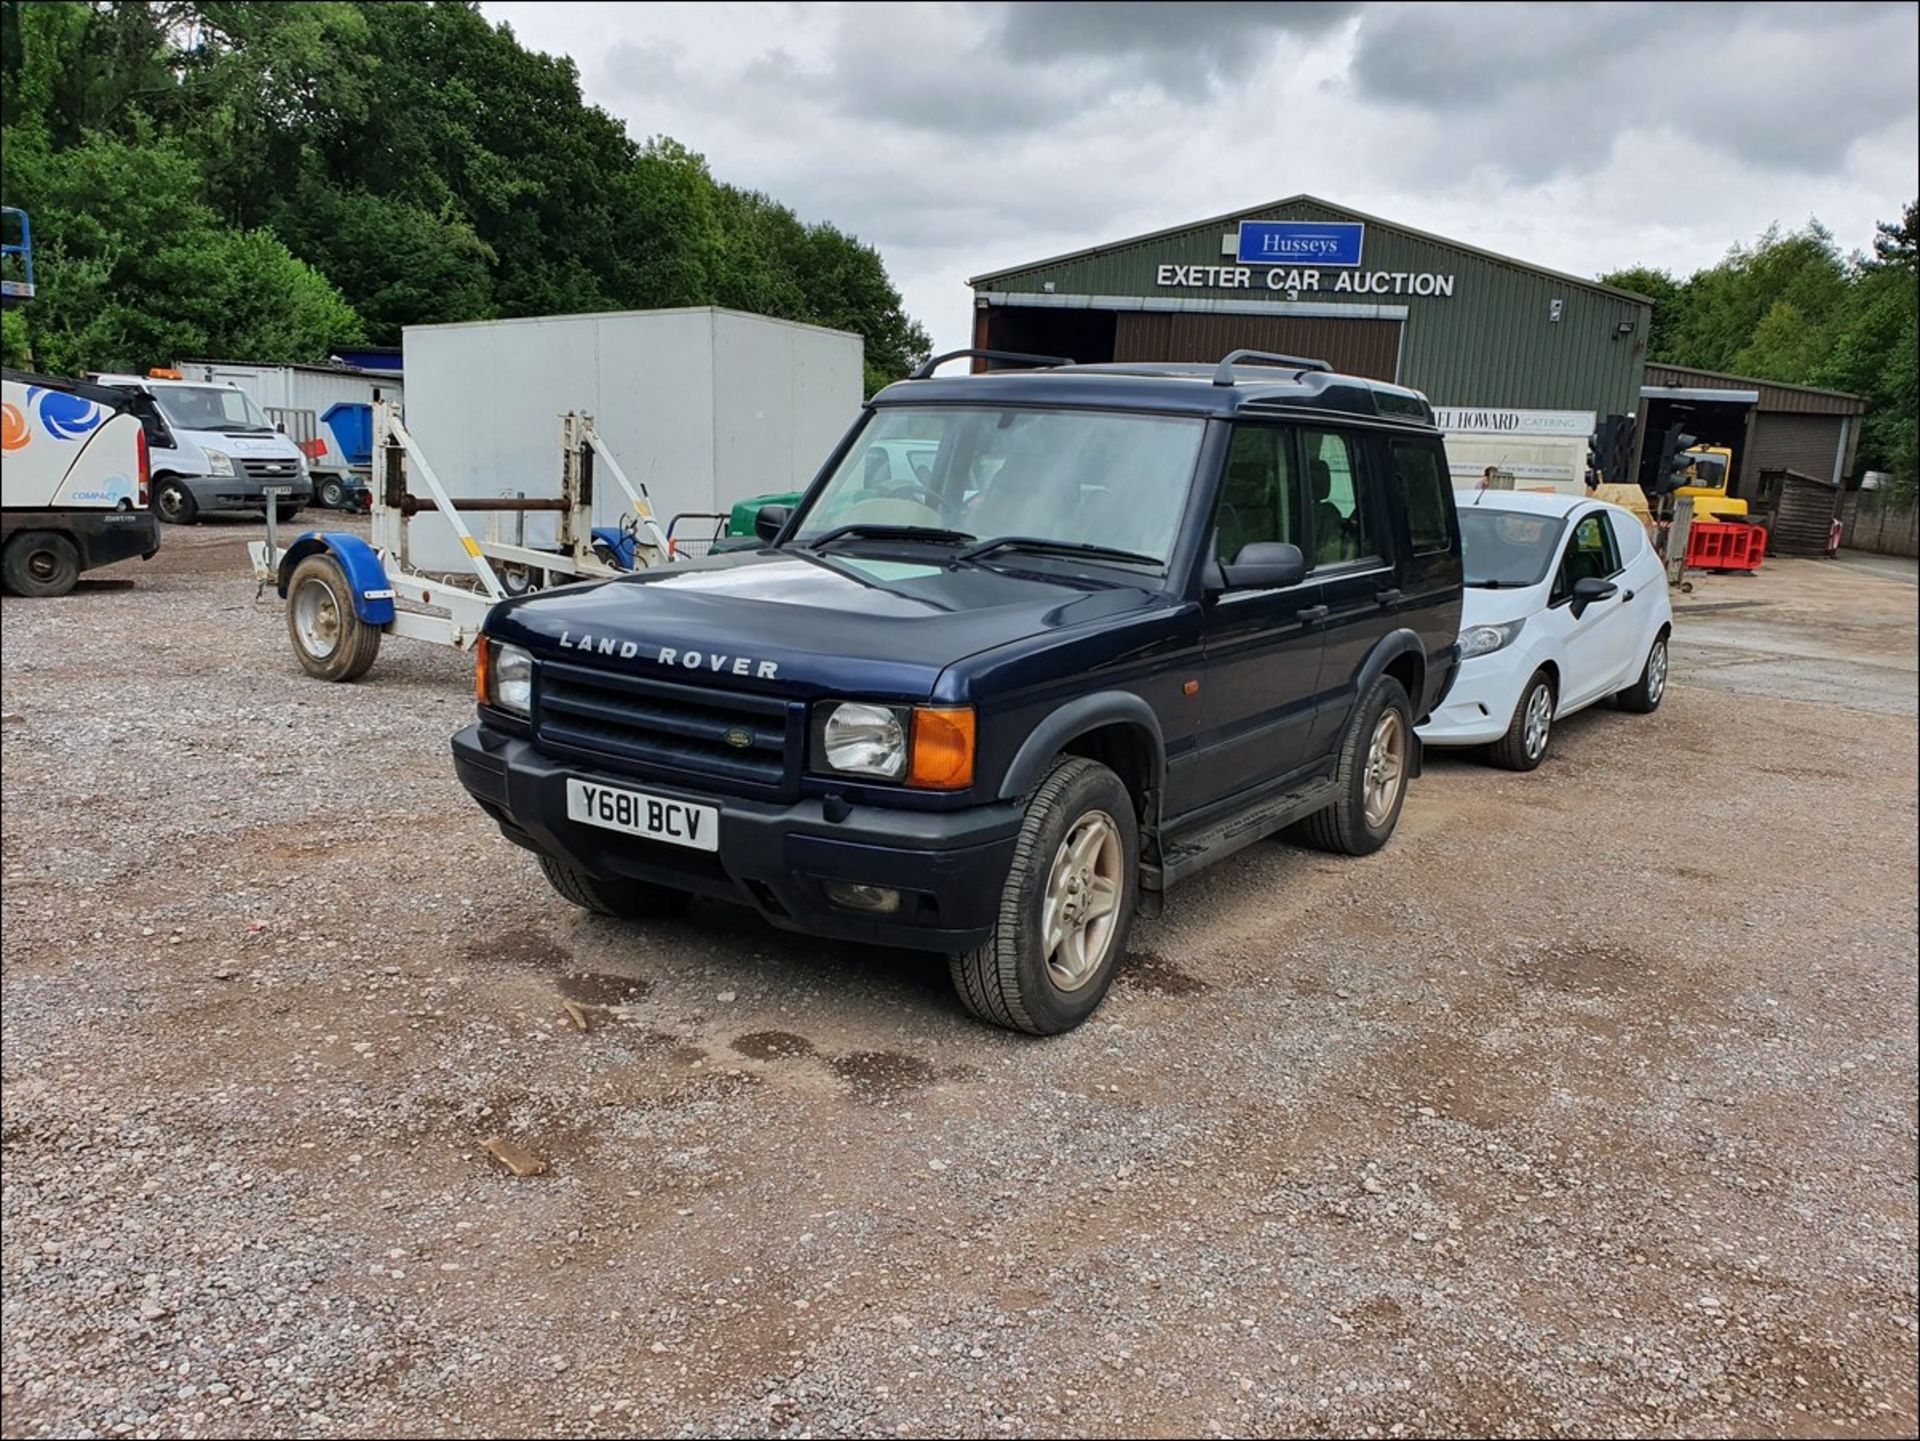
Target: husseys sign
(1302, 257)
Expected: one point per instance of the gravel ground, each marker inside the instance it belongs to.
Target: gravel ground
(1588, 1107)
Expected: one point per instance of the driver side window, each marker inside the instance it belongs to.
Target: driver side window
(1259, 496)
(1590, 554)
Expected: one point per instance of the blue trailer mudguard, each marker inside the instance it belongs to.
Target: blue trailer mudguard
(372, 592)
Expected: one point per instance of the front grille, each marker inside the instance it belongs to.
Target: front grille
(270, 469)
(677, 732)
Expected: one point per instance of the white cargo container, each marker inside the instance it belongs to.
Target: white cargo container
(704, 406)
(324, 409)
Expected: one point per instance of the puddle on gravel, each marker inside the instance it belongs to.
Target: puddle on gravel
(1153, 973)
(882, 1075)
(591, 988)
(772, 1045)
(524, 947)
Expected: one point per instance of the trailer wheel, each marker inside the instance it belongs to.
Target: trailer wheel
(330, 640)
(333, 495)
(40, 563)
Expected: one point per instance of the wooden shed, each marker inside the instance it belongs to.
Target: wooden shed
(1798, 511)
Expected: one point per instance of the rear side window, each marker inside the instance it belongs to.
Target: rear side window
(1341, 531)
(1629, 534)
(1259, 495)
(1422, 481)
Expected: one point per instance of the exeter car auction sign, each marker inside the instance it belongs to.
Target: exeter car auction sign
(1293, 253)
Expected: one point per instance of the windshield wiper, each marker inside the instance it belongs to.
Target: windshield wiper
(931, 533)
(1044, 544)
(1497, 584)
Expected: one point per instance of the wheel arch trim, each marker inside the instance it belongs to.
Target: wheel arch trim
(358, 560)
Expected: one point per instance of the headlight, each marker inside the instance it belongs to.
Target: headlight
(219, 463)
(503, 677)
(1486, 639)
(864, 740)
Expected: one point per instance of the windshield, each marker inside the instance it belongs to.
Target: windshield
(1508, 547)
(1708, 470)
(210, 407)
(1083, 478)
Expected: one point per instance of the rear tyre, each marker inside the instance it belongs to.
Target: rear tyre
(1530, 732)
(626, 900)
(1065, 910)
(331, 642)
(40, 563)
(174, 503)
(1643, 696)
(1376, 758)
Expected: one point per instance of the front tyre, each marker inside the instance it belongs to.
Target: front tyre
(1065, 910)
(1530, 731)
(174, 503)
(625, 900)
(329, 638)
(1643, 696)
(1376, 758)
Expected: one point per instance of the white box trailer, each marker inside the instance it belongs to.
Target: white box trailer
(703, 406)
(325, 409)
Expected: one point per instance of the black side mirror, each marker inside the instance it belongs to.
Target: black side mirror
(770, 520)
(1590, 589)
(1265, 565)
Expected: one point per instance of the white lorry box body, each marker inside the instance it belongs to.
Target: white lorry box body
(703, 406)
(72, 484)
(1536, 462)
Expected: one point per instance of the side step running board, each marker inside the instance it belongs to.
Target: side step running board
(1186, 852)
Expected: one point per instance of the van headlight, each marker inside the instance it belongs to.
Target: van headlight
(1486, 639)
(219, 462)
(858, 739)
(505, 676)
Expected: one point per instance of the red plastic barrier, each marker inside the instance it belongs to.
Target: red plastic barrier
(1720, 545)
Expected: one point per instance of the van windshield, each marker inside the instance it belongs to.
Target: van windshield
(1505, 549)
(210, 407)
(1079, 478)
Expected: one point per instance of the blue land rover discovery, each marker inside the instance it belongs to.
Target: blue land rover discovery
(1125, 620)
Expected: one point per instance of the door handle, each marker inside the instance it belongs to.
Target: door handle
(1313, 614)
(1387, 597)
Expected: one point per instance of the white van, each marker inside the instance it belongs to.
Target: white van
(223, 453)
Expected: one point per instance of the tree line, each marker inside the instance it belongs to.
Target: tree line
(272, 181)
(1791, 307)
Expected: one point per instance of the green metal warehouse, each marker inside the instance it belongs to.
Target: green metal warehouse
(1472, 329)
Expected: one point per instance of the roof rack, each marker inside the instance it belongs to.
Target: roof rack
(1223, 373)
(933, 363)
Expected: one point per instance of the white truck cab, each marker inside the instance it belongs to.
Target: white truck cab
(224, 453)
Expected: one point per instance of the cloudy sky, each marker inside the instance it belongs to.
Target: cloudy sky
(961, 138)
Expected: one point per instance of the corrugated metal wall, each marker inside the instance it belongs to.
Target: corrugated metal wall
(1494, 342)
(1355, 347)
(1786, 399)
(1806, 443)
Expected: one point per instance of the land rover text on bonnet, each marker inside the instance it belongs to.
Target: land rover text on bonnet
(1111, 624)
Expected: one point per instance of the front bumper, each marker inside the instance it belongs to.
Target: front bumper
(1479, 706)
(237, 492)
(950, 866)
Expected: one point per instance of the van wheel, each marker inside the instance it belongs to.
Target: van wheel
(1066, 908)
(40, 563)
(174, 503)
(1530, 731)
(1376, 758)
(330, 640)
(627, 900)
(1643, 696)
